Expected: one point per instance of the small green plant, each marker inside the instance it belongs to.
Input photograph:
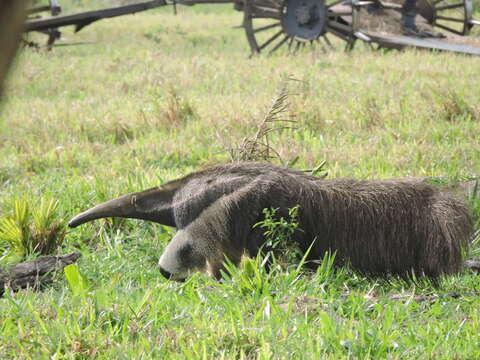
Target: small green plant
(251, 277)
(278, 232)
(319, 170)
(31, 230)
(254, 276)
(78, 283)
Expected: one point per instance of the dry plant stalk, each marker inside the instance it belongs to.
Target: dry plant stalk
(257, 147)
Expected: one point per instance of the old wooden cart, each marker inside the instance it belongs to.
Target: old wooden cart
(279, 25)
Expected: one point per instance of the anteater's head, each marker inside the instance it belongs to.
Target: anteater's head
(197, 205)
(155, 204)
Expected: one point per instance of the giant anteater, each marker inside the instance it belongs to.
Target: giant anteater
(400, 226)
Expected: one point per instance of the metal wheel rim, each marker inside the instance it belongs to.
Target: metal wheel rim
(280, 39)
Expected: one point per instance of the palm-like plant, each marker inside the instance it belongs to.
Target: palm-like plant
(31, 230)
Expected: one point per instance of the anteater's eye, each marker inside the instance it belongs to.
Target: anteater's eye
(186, 256)
(185, 252)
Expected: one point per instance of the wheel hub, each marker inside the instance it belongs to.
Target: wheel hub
(306, 14)
(304, 19)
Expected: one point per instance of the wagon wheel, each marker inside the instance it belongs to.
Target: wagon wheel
(454, 16)
(274, 25)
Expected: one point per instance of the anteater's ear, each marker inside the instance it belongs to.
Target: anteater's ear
(153, 205)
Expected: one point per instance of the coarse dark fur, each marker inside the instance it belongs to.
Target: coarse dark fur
(400, 226)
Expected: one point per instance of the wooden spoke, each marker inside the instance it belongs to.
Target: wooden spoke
(327, 41)
(297, 46)
(448, 7)
(276, 47)
(449, 29)
(269, 41)
(267, 27)
(337, 34)
(453, 17)
(266, 14)
(340, 13)
(290, 43)
(339, 26)
(447, 18)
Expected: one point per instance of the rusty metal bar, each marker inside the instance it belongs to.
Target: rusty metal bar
(83, 19)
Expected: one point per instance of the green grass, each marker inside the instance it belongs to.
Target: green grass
(156, 96)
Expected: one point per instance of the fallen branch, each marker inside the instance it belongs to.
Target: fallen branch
(472, 264)
(34, 273)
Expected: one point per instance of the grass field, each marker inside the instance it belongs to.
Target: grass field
(155, 96)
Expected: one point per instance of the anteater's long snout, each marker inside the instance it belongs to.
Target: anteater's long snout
(152, 205)
(120, 207)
